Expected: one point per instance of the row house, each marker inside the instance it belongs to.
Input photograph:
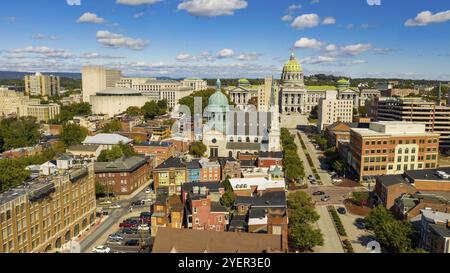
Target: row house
(168, 212)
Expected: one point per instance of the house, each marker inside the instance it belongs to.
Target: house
(434, 231)
(168, 211)
(238, 223)
(48, 168)
(196, 241)
(390, 187)
(64, 162)
(268, 159)
(125, 175)
(256, 186)
(136, 136)
(210, 170)
(214, 190)
(193, 170)
(408, 206)
(128, 122)
(339, 132)
(161, 150)
(85, 151)
(230, 167)
(107, 140)
(202, 213)
(170, 174)
(181, 144)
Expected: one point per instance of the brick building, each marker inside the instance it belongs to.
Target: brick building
(160, 150)
(390, 187)
(125, 175)
(170, 174)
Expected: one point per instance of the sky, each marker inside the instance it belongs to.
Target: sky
(229, 38)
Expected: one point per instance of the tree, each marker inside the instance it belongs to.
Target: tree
(68, 112)
(114, 126)
(362, 111)
(378, 216)
(18, 133)
(72, 134)
(395, 236)
(162, 104)
(228, 198)
(339, 166)
(100, 190)
(12, 174)
(197, 149)
(253, 101)
(303, 237)
(110, 155)
(151, 109)
(127, 150)
(134, 111)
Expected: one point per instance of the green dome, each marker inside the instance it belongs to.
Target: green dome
(292, 65)
(244, 81)
(218, 99)
(343, 81)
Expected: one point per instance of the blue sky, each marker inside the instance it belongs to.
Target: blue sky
(229, 38)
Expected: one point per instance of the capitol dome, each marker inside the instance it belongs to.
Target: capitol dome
(292, 65)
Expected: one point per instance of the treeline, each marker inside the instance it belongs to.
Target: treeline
(18, 133)
(293, 166)
(69, 111)
(234, 82)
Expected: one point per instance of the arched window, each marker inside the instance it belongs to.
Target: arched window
(406, 151)
(231, 139)
(400, 150)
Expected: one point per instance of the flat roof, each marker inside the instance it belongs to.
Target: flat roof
(429, 175)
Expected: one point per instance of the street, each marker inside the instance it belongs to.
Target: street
(357, 237)
(332, 243)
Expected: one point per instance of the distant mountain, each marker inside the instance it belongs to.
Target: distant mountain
(20, 75)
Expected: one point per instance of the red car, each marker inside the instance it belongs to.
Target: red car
(129, 224)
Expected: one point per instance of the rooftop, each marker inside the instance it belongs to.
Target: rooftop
(173, 162)
(389, 180)
(202, 241)
(83, 148)
(441, 230)
(155, 144)
(260, 183)
(129, 164)
(107, 139)
(430, 174)
(119, 91)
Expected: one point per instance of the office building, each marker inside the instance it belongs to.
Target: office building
(331, 109)
(96, 79)
(195, 84)
(435, 117)
(391, 148)
(42, 112)
(42, 85)
(46, 213)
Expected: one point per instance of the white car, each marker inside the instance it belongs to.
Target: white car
(101, 249)
(143, 227)
(337, 180)
(115, 206)
(105, 203)
(148, 191)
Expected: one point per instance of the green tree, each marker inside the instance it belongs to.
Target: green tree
(378, 216)
(68, 112)
(395, 235)
(114, 126)
(127, 150)
(110, 155)
(197, 149)
(339, 166)
(227, 200)
(72, 134)
(314, 112)
(134, 111)
(100, 190)
(303, 237)
(12, 174)
(18, 133)
(151, 109)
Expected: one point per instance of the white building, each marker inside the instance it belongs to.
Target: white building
(195, 84)
(97, 78)
(115, 101)
(332, 109)
(106, 141)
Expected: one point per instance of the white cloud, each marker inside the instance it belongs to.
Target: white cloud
(139, 15)
(73, 2)
(306, 21)
(293, 8)
(137, 2)
(95, 55)
(114, 40)
(309, 43)
(356, 49)
(318, 60)
(44, 51)
(225, 53)
(184, 57)
(287, 18)
(427, 17)
(331, 48)
(329, 21)
(249, 56)
(212, 8)
(90, 18)
(11, 19)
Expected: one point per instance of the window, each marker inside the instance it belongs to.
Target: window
(400, 150)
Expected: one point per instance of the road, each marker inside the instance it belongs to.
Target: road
(337, 194)
(332, 243)
(357, 237)
(112, 221)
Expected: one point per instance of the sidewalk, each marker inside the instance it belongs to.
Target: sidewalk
(91, 229)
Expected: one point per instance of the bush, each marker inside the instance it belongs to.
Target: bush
(348, 248)
(337, 221)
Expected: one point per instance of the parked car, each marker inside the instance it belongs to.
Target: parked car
(342, 210)
(360, 223)
(105, 203)
(115, 206)
(116, 236)
(114, 241)
(148, 191)
(101, 249)
(129, 231)
(132, 243)
(326, 198)
(317, 193)
(311, 177)
(129, 223)
(138, 203)
(143, 227)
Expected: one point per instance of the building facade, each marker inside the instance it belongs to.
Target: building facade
(45, 214)
(42, 85)
(332, 109)
(96, 79)
(195, 84)
(392, 148)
